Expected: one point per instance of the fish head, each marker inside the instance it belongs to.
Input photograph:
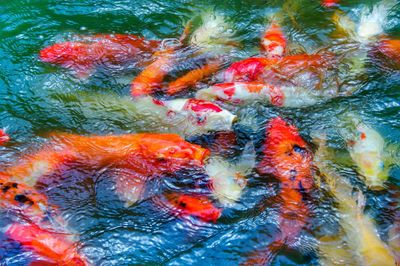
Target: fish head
(286, 155)
(209, 115)
(64, 53)
(197, 206)
(273, 43)
(166, 147)
(201, 114)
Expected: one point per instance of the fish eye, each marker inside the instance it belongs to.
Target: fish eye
(299, 149)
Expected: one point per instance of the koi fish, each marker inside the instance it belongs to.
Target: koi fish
(199, 206)
(273, 43)
(288, 158)
(366, 147)
(360, 231)
(146, 155)
(91, 51)
(144, 114)
(278, 95)
(4, 137)
(54, 247)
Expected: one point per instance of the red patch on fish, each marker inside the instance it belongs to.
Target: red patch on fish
(286, 155)
(391, 49)
(4, 137)
(247, 70)
(197, 206)
(197, 105)
(50, 245)
(330, 3)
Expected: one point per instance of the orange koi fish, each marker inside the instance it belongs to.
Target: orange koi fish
(288, 158)
(56, 248)
(273, 43)
(146, 155)
(329, 3)
(193, 205)
(4, 137)
(391, 49)
(91, 51)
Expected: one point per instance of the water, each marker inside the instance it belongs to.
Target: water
(145, 233)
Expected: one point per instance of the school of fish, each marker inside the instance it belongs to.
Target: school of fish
(274, 77)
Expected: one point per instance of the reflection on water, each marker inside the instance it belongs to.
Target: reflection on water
(318, 185)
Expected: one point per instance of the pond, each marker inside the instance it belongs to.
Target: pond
(292, 159)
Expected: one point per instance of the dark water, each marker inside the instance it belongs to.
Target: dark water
(145, 234)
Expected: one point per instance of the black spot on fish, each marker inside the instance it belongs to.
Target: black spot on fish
(6, 188)
(14, 185)
(182, 204)
(299, 149)
(293, 174)
(23, 199)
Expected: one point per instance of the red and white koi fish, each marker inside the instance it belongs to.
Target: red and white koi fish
(200, 113)
(273, 43)
(288, 158)
(244, 92)
(86, 54)
(55, 248)
(199, 206)
(4, 137)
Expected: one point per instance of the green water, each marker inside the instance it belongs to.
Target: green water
(142, 235)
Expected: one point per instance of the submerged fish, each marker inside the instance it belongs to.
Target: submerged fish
(330, 3)
(198, 206)
(186, 117)
(278, 95)
(360, 232)
(55, 248)
(367, 149)
(146, 155)
(391, 49)
(273, 43)
(85, 55)
(288, 158)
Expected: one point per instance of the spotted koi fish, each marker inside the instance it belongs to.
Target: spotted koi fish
(288, 158)
(85, 55)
